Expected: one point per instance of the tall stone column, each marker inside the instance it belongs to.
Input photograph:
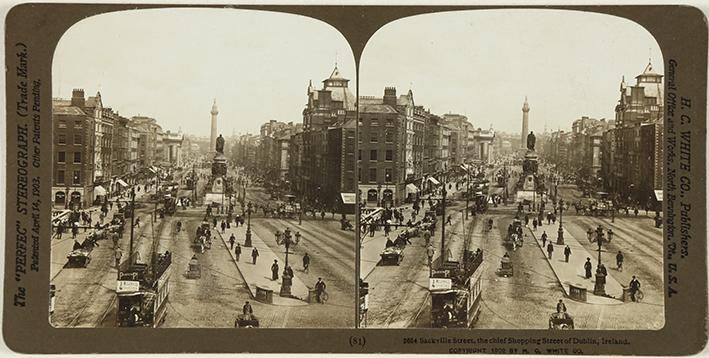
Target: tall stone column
(525, 122)
(213, 133)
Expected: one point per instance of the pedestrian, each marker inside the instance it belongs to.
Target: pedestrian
(560, 307)
(587, 267)
(118, 254)
(306, 263)
(544, 239)
(254, 255)
(634, 287)
(322, 214)
(550, 249)
(448, 220)
(320, 289)
(223, 226)
(387, 229)
(567, 253)
(75, 230)
(619, 261)
(214, 221)
(274, 270)
(635, 210)
(247, 310)
(534, 224)
(232, 240)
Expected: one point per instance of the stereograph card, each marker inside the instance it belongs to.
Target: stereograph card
(356, 179)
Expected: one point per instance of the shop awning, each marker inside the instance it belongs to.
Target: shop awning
(99, 190)
(658, 195)
(348, 198)
(411, 189)
(121, 182)
(434, 181)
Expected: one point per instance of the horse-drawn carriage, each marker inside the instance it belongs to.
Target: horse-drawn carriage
(392, 255)
(514, 236)
(561, 320)
(194, 269)
(506, 269)
(202, 239)
(80, 255)
(246, 321)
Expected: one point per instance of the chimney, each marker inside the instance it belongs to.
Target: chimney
(77, 97)
(390, 96)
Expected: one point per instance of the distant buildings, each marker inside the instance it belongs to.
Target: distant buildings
(624, 155)
(98, 152)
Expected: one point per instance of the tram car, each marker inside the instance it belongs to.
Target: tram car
(456, 292)
(143, 293)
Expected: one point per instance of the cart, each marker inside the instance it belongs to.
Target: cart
(246, 321)
(79, 258)
(561, 320)
(194, 270)
(506, 269)
(392, 256)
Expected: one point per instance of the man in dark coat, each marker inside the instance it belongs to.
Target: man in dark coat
(274, 270)
(544, 239)
(254, 255)
(237, 251)
(619, 261)
(319, 289)
(550, 249)
(306, 263)
(588, 267)
(634, 287)
(232, 240)
(567, 253)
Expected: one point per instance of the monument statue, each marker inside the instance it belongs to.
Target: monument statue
(220, 144)
(530, 140)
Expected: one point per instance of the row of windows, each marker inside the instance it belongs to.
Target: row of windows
(77, 123)
(373, 155)
(373, 172)
(374, 137)
(374, 122)
(78, 139)
(61, 157)
(75, 178)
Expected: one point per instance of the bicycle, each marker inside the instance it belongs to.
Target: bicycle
(639, 295)
(323, 297)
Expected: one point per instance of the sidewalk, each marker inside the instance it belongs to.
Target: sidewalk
(260, 273)
(60, 248)
(573, 271)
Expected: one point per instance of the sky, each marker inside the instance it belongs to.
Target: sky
(483, 63)
(170, 64)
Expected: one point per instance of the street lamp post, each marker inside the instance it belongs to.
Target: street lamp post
(560, 237)
(287, 240)
(247, 241)
(599, 288)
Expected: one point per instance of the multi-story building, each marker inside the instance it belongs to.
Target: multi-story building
(73, 170)
(328, 108)
(638, 134)
(172, 147)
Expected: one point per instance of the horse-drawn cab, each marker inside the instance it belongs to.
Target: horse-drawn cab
(506, 268)
(561, 320)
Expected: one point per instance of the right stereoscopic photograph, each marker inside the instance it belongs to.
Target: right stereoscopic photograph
(511, 173)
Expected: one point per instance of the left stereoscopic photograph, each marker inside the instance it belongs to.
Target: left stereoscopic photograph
(198, 178)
